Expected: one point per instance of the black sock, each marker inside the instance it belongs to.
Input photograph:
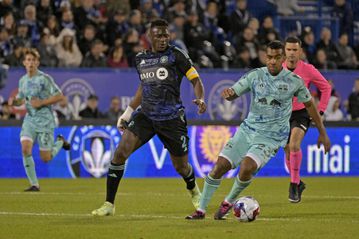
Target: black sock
(190, 179)
(114, 176)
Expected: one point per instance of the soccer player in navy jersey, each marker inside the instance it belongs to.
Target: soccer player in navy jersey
(161, 112)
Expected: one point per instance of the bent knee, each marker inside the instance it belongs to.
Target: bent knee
(220, 169)
(26, 152)
(249, 170)
(46, 158)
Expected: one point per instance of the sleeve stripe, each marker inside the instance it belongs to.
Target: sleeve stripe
(192, 73)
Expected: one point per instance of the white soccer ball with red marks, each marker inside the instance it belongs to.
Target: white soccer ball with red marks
(246, 209)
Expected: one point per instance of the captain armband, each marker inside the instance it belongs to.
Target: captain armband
(192, 73)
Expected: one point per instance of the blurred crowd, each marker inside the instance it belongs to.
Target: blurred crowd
(215, 33)
(109, 33)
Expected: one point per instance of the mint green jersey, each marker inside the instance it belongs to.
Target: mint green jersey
(271, 101)
(40, 86)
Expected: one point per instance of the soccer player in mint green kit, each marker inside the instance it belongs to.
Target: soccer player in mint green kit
(38, 91)
(265, 129)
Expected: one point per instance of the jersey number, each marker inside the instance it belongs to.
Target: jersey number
(184, 143)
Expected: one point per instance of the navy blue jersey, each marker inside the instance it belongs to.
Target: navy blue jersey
(161, 74)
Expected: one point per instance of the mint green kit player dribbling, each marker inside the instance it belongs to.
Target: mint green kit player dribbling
(263, 132)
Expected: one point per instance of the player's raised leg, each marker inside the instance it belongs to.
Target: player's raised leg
(48, 148)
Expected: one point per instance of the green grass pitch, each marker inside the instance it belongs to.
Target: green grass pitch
(155, 208)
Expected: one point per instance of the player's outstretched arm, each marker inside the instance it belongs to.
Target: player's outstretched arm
(229, 94)
(313, 113)
(199, 92)
(125, 117)
(38, 103)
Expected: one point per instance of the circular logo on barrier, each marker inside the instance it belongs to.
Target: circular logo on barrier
(162, 73)
(92, 148)
(221, 109)
(77, 91)
(206, 144)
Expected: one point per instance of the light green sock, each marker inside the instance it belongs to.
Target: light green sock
(237, 188)
(29, 166)
(210, 186)
(56, 148)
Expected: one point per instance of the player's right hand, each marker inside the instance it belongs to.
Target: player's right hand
(324, 139)
(121, 123)
(124, 119)
(228, 93)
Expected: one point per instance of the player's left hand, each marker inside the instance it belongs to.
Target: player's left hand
(36, 102)
(324, 139)
(201, 105)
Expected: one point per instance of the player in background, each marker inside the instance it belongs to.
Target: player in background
(38, 91)
(265, 129)
(160, 71)
(300, 120)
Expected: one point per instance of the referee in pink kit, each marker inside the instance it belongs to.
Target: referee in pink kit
(300, 120)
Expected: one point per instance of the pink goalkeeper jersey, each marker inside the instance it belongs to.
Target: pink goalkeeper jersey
(310, 74)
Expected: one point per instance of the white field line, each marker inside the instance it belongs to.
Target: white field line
(142, 216)
(158, 194)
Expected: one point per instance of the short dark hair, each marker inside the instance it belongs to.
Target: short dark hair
(276, 45)
(159, 23)
(96, 42)
(293, 40)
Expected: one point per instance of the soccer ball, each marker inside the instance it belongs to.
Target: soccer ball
(246, 209)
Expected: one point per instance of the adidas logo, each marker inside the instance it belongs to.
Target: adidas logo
(112, 175)
(142, 62)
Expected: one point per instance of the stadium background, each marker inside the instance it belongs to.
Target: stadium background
(223, 45)
(208, 133)
(115, 25)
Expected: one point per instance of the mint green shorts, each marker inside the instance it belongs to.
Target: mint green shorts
(44, 139)
(249, 143)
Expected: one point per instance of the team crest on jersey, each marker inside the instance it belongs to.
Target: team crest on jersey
(91, 150)
(283, 88)
(221, 109)
(206, 144)
(164, 59)
(77, 91)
